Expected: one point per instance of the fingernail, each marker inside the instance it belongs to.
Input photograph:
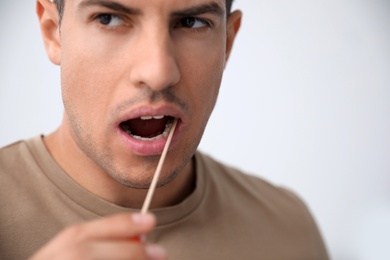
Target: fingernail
(156, 252)
(140, 219)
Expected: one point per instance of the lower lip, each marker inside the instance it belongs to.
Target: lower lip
(146, 148)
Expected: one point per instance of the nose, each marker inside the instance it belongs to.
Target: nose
(154, 62)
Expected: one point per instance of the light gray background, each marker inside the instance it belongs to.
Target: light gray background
(304, 104)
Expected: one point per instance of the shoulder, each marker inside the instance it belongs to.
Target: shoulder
(239, 191)
(11, 147)
(11, 153)
(228, 177)
(17, 158)
(21, 148)
(276, 212)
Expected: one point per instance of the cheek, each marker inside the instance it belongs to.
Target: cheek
(88, 75)
(208, 80)
(86, 89)
(87, 61)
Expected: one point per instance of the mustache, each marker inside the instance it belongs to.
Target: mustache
(152, 96)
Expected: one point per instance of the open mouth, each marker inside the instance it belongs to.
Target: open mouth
(148, 128)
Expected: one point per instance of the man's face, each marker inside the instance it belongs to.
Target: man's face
(129, 68)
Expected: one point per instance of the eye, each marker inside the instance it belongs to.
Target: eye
(193, 23)
(110, 20)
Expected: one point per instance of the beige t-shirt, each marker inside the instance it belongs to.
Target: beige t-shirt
(229, 215)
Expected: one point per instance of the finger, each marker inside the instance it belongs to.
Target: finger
(79, 240)
(121, 226)
(156, 252)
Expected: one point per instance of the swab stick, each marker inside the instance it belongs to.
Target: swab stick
(156, 175)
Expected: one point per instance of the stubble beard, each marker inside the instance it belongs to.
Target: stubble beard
(126, 177)
(104, 158)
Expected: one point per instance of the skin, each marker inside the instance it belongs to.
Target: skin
(106, 238)
(140, 62)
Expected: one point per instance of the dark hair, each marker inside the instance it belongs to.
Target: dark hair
(60, 6)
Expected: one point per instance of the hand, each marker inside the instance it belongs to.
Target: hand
(114, 237)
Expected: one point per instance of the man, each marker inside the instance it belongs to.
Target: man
(129, 68)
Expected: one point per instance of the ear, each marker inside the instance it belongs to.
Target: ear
(233, 25)
(49, 22)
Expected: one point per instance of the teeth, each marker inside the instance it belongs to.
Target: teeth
(158, 117)
(151, 117)
(168, 127)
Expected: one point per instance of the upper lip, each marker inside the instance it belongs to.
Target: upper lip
(165, 110)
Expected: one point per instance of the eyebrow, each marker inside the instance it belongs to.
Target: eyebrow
(192, 11)
(110, 5)
(201, 9)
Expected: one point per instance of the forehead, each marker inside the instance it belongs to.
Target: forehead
(160, 5)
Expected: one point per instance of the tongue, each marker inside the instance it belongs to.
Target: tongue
(147, 128)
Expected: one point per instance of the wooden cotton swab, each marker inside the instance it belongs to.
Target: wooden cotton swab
(156, 175)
